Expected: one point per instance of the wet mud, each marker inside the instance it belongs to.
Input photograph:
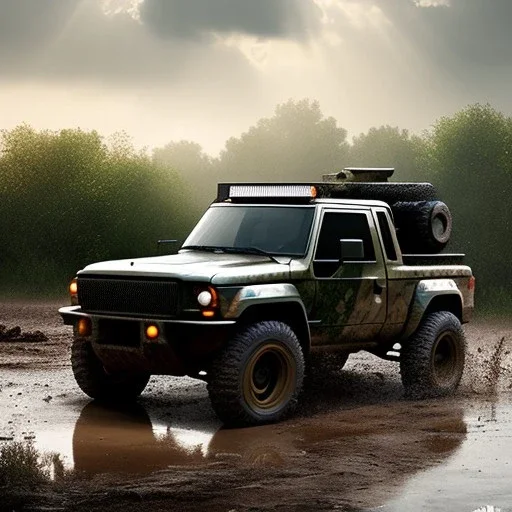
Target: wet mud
(355, 443)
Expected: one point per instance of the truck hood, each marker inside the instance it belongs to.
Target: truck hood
(197, 266)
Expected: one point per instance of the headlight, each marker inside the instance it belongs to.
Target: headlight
(204, 298)
(208, 300)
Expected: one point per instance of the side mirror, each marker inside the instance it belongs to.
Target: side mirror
(351, 250)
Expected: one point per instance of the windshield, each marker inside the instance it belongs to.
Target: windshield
(275, 230)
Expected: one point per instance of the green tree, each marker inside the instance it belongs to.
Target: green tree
(194, 166)
(389, 146)
(297, 144)
(470, 160)
(68, 198)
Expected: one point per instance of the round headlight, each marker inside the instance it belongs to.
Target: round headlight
(204, 298)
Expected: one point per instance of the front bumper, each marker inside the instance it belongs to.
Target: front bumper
(70, 315)
(183, 347)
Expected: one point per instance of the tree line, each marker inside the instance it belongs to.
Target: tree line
(72, 197)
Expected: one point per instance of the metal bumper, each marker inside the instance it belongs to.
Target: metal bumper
(182, 347)
(70, 315)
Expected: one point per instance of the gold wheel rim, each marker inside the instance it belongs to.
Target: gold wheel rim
(269, 378)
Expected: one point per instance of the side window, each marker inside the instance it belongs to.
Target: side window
(336, 226)
(387, 239)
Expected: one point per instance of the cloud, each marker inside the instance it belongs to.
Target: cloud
(169, 42)
(467, 34)
(26, 25)
(75, 41)
(23, 22)
(194, 19)
(171, 39)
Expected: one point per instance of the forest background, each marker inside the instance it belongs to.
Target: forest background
(71, 197)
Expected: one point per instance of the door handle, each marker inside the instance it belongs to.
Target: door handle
(378, 287)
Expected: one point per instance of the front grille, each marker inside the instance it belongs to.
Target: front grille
(129, 296)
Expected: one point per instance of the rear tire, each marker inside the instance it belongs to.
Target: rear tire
(94, 381)
(258, 376)
(432, 360)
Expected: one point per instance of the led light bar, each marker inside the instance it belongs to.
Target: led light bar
(272, 191)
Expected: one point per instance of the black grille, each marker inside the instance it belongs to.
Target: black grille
(129, 296)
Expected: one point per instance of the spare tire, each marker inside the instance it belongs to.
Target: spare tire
(388, 192)
(422, 226)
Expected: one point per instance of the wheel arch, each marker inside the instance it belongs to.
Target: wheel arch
(291, 313)
(433, 296)
(451, 303)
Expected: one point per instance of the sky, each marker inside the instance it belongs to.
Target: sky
(207, 70)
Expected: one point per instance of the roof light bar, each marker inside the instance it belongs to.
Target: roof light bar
(238, 191)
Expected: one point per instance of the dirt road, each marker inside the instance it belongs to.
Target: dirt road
(355, 443)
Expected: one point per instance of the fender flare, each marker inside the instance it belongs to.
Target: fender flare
(277, 301)
(262, 294)
(426, 291)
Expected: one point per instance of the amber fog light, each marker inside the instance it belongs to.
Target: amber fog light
(152, 332)
(84, 327)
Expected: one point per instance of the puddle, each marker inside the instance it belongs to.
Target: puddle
(127, 440)
(394, 455)
(478, 477)
(402, 456)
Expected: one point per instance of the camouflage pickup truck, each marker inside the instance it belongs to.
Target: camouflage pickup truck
(269, 275)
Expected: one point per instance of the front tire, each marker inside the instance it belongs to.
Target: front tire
(94, 381)
(432, 360)
(258, 376)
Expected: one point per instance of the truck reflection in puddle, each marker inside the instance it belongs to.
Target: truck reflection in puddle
(381, 444)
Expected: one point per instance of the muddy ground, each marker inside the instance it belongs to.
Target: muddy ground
(355, 443)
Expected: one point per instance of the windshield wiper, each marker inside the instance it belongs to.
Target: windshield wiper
(232, 250)
(249, 250)
(210, 248)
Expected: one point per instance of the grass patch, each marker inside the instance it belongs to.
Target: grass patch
(24, 472)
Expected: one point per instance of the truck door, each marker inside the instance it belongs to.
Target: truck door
(351, 297)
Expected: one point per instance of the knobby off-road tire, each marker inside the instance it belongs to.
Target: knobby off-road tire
(94, 381)
(258, 376)
(432, 360)
(423, 226)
